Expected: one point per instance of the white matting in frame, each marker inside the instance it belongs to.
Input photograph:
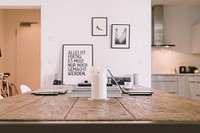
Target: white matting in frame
(76, 63)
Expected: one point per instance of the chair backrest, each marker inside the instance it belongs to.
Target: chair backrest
(24, 88)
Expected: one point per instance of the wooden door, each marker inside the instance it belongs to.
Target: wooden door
(28, 56)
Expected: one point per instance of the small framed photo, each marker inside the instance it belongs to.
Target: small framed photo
(120, 36)
(99, 26)
(77, 62)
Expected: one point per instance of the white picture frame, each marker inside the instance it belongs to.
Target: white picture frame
(77, 62)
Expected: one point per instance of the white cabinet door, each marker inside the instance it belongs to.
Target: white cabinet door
(164, 78)
(194, 87)
(195, 90)
(181, 85)
(187, 91)
(165, 83)
(170, 87)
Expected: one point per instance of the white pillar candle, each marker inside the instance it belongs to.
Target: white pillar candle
(135, 79)
(98, 83)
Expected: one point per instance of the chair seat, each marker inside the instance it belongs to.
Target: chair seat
(24, 88)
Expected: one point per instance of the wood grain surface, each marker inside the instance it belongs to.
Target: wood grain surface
(110, 110)
(161, 106)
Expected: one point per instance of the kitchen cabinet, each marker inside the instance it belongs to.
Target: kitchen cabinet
(196, 39)
(166, 83)
(185, 85)
(182, 86)
(194, 87)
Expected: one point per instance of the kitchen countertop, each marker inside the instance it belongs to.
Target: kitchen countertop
(173, 74)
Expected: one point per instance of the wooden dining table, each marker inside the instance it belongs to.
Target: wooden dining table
(160, 113)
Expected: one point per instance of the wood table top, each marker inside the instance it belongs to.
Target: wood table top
(161, 106)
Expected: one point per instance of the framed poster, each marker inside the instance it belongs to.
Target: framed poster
(120, 37)
(99, 26)
(77, 61)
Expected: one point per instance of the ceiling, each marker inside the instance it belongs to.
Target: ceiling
(177, 2)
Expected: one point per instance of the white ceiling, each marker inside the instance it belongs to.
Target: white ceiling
(177, 2)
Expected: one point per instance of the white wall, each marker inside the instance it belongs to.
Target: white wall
(177, 29)
(69, 21)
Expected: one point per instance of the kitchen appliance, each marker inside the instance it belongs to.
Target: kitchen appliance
(158, 27)
(187, 69)
(182, 69)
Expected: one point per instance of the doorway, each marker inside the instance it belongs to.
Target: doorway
(22, 46)
(28, 55)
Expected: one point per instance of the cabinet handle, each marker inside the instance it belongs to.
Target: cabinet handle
(197, 94)
(194, 81)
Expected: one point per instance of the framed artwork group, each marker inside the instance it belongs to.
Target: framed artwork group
(77, 59)
(120, 33)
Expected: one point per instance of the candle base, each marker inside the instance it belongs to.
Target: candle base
(99, 99)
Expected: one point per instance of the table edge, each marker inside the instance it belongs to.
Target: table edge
(100, 122)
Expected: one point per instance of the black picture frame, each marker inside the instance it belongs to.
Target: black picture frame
(99, 26)
(120, 36)
(77, 61)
